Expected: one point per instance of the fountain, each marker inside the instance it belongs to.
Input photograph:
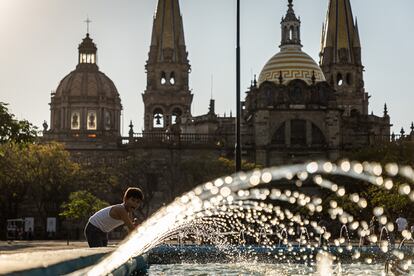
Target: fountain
(301, 229)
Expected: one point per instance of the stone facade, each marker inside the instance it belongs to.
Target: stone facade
(298, 110)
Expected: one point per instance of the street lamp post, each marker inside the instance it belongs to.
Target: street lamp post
(238, 107)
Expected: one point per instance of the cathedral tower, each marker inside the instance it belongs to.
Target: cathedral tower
(341, 57)
(167, 96)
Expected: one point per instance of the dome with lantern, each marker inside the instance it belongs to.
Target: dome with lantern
(86, 101)
(291, 62)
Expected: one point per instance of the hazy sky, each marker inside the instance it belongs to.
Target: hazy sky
(39, 40)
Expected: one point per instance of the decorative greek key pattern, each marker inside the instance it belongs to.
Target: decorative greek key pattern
(288, 75)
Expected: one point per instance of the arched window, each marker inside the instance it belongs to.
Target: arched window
(339, 79)
(176, 115)
(92, 120)
(163, 78)
(75, 120)
(298, 132)
(158, 118)
(291, 33)
(172, 78)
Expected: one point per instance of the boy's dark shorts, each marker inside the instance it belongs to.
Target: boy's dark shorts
(95, 236)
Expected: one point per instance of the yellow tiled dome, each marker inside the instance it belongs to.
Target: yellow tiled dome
(293, 63)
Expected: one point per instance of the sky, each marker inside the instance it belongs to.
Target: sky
(39, 40)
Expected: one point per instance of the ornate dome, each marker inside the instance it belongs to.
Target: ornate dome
(86, 101)
(292, 63)
(86, 79)
(89, 83)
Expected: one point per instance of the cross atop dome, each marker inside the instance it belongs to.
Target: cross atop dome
(88, 22)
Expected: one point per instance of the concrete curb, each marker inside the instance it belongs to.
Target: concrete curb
(50, 263)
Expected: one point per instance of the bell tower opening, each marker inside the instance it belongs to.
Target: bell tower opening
(176, 116)
(158, 118)
(339, 80)
(163, 78)
(172, 78)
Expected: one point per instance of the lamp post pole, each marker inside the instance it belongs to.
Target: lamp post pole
(238, 107)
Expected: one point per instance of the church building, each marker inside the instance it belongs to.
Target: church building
(86, 107)
(297, 109)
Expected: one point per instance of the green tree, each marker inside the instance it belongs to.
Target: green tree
(400, 152)
(11, 129)
(52, 176)
(14, 181)
(81, 205)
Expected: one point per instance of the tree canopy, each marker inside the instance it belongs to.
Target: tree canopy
(13, 130)
(81, 205)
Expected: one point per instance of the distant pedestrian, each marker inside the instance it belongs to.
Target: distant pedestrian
(402, 223)
(374, 226)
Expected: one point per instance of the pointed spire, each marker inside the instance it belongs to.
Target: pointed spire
(168, 32)
(322, 38)
(290, 6)
(412, 128)
(357, 41)
(340, 34)
(385, 110)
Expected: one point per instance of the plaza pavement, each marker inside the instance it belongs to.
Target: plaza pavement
(48, 257)
(13, 247)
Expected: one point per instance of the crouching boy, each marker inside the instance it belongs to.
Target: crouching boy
(109, 218)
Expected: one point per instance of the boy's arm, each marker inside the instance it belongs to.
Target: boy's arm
(124, 216)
